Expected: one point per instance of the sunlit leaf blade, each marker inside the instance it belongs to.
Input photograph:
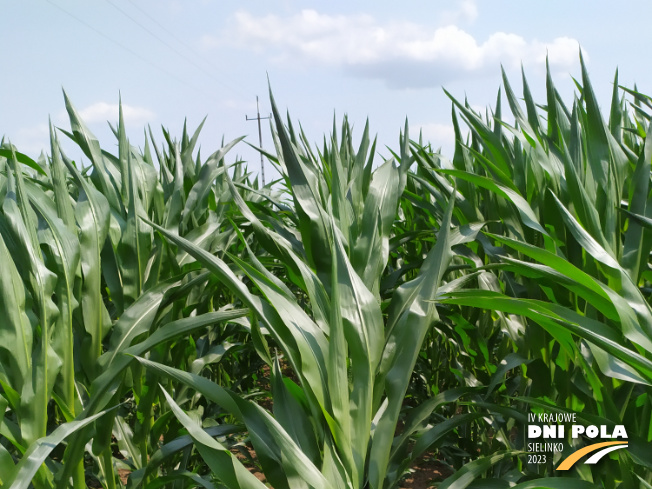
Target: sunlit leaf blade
(41, 449)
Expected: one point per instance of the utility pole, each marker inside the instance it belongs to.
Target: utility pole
(260, 136)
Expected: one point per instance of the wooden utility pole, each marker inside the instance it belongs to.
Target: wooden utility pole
(260, 137)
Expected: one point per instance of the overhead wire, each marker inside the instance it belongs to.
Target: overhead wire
(170, 46)
(129, 50)
(117, 43)
(212, 95)
(167, 31)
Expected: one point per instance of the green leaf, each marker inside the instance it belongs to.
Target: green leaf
(92, 214)
(560, 323)
(523, 208)
(267, 435)
(105, 385)
(555, 483)
(221, 461)
(39, 451)
(22, 158)
(410, 315)
(467, 474)
(16, 328)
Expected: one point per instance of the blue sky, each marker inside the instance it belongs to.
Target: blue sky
(385, 61)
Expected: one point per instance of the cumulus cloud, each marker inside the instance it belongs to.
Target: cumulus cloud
(403, 54)
(30, 140)
(34, 139)
(436, 133)
(102, 112)
(466, 11)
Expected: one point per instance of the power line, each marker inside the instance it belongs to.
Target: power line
(162, 27)
(160, 68)
(119, 44)
(174, 36)
(179, 53)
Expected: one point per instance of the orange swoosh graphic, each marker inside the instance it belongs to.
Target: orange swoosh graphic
(574, 457)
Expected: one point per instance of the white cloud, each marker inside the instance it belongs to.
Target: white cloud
(436, 133)
(30, 140)
(466, 11)
(403, 54)
(34, 139)
(102, 112)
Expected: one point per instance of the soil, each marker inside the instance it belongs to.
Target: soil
(93, 483)
(426, 472)
(124, 475)
(247, 463)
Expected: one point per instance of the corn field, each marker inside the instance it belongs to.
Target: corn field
(166, 321)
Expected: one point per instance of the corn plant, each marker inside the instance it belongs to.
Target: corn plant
(85, 281)
(352, 353)
(399, 308)
(562, 199)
